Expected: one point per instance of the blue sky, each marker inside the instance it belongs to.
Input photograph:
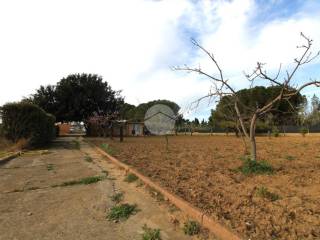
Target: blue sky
(133, 43)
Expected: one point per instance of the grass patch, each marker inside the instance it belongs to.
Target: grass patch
(17, 190)
(76, 144)
(255, 167)
(85, 181)
(265, 193)
(106, 147)
(131, 178)
(290, 158)
(122, 212)
(87, 158)
(32, 188)
(173, 208)
(50, 167)
(117, 197)
(106, 173)
(191, 228)
(150, 233)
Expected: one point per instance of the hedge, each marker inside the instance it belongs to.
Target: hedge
(28, 121)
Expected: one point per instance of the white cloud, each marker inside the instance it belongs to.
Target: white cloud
(237, 48)
(133, 43)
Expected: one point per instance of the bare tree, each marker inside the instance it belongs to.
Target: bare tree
(247, 122)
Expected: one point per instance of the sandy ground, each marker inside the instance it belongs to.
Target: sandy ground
(203, 171)
(30, 208)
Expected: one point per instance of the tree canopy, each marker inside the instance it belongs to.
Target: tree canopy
(283, 113)
(78, 97)
(130, 112)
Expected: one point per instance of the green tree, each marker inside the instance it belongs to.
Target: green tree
(196, 122)
(313, 118)
(284, 112)
(127, 111)
(45, 97)
(78, 97)
(141, 109)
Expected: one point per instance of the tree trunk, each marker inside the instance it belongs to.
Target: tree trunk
(253, 137)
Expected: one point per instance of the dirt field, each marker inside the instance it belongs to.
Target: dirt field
(202, 170)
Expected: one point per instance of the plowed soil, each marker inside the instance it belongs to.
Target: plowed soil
(202, 170)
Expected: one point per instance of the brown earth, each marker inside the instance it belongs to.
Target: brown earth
(203, 171)
(30, 208)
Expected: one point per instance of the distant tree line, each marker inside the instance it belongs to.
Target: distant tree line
(79, 97)
(283, 113)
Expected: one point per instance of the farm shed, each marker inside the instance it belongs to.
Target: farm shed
(105, 128)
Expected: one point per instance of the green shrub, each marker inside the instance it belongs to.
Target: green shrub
(131, 178)
(122, 212)
(106, 147)
(150, 234)
(84, 181)
(50, 167)
(88, 158)
(117, 197)
(27, 121)
(275, 131)
(255, 167)
(303, 131)
(290, 158)
(191, 228)
(265, 193)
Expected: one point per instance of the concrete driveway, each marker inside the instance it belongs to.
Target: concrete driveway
(31, 208)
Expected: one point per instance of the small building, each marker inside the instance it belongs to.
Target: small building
(99, 127)
(138, 128)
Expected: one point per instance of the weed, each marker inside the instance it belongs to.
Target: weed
(139, 183)
(88, 158)
(17, 190)
(173, 208)
(265, 193)
(303, 131)
(131, 178)
(106, 147)
(106, 173)
(255, 167)
(117, 197)
(85, 181)
(50, 167)
(290, 158)
(76, 144)
(122, 212)
(191, 228)
(150, 234)
(32, 188)
(275, 131)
